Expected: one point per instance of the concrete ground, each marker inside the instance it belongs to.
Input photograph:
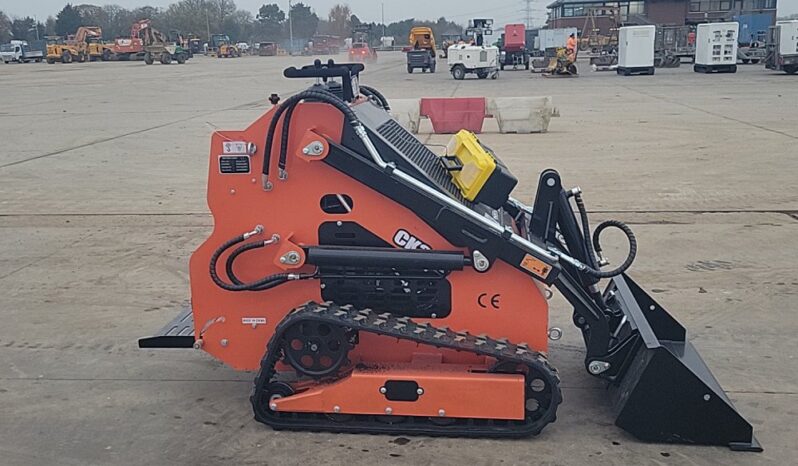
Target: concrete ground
(102, 200)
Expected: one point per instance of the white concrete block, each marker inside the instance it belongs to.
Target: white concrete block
(522, 114)
(406, 112)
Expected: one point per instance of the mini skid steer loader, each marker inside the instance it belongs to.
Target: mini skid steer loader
(378, 287)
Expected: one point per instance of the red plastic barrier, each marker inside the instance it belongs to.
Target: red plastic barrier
(449, 115)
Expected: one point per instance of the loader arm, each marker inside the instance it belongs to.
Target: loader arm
(85, 32)
(660, 387)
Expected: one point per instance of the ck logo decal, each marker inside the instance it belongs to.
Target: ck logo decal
(405, 240)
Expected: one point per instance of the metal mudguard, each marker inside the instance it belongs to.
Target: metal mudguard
(179, 333)
(666, 392)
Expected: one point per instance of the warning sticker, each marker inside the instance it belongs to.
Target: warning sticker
(536, 266)
(234, 147)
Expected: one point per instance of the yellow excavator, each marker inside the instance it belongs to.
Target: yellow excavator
(85, 44)
(221, 46)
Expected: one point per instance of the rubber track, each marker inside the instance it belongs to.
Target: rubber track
(366, 320)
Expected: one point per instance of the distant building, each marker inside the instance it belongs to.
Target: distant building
(573, 13)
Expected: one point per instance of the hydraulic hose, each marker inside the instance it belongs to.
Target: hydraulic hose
(286, 130)
(289, 103)
(265, 283)
(591, 256)
(228, 267)
(594, 246)
(629, 235)
(370, 91)
(281, 173)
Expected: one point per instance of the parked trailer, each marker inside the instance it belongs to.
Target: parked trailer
(783, 47)
(752, 36)
(673, 43)
(636, 50)
(716, 48)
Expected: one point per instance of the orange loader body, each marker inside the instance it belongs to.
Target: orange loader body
(502, 301)
(377, 287)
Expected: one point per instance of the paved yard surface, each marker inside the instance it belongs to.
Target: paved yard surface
(102, 200)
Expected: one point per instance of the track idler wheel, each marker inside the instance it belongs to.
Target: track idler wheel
(262, 399)
(316, 349)
(539, 392)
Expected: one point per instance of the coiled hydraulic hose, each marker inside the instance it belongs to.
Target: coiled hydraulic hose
(594, 246)
(265, 283)
(369, 91)
(228, 267)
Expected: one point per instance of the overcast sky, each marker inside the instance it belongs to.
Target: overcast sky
(503, 11)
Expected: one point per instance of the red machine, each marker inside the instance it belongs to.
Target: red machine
(128, 48)
(514, 52)
(361, 52)
(322, 44)
(378, 287)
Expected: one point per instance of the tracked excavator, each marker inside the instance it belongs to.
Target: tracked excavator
(377, 287)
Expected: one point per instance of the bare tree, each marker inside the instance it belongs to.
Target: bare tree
(5, 28)
(49, 26)
(340, 20)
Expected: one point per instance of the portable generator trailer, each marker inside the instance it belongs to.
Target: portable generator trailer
(347, 261)
(513, 49)
(782, 47)
(476, 57)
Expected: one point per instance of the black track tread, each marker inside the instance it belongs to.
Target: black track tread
(366, 320)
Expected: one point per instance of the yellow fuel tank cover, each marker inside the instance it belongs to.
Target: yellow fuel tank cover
(469, 163)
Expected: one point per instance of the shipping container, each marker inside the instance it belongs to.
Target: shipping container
(753, 28)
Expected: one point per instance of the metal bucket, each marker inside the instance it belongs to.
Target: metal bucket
(665, 392)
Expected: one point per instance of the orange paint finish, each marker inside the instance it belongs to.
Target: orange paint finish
(501, 302)
(459, 394)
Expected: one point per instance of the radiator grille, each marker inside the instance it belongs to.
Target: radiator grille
(423, 158)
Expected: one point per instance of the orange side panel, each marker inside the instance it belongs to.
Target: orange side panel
(445, 393)
(502, 302)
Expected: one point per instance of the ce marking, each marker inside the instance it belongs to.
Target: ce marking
(485, 300)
